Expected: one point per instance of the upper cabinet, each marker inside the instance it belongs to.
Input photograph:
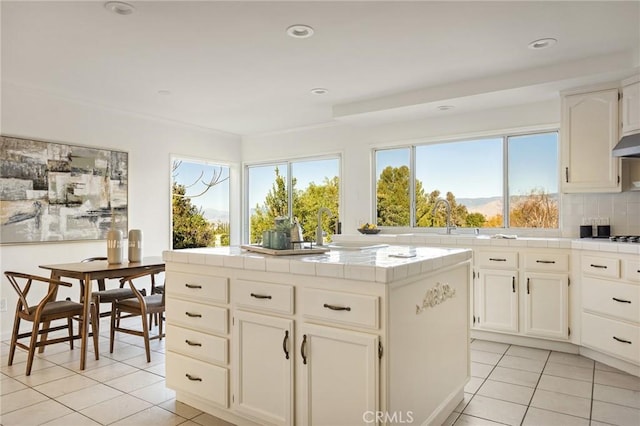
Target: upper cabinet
(589, 131)
(631, 106)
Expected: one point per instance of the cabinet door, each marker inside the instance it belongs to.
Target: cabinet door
(546, 307)
(589, 132)
(264, 367)
(631, 108)
(498, 301)
(340, 375)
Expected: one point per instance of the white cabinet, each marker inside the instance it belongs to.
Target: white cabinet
(588, 133)
(526, 292)
(197, 341)
(611, 305)
(264, 348)
(631, 106)
(339, 374)
(498, 298)
(546, 308)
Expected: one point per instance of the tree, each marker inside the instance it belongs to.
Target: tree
(190, 228)
(307, 203)
(535, 210)
(393, 197)
(276, 204)
(475, 220)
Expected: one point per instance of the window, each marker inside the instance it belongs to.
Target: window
(200, 204)
(506, 181)
(300, 187)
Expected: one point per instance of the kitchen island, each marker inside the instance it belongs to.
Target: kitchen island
(376, 336)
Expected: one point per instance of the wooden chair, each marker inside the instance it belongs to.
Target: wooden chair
(104, 295)
(140, 306)
(46, 310)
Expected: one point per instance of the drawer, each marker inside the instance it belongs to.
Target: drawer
(263, 296)
(616, 338)
(554, 262)
(203, 380)
(497, 259)
(601, 266)
(342, 308)
(611, 298)
(198, 287)
(197, 316)
(632, 270)
(204, 347)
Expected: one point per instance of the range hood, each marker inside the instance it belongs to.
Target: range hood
(629, 146)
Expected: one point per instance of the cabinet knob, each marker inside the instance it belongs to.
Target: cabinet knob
(337, 308)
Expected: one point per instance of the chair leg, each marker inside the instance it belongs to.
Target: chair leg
(159, 316)
(70, 328)
(14, 339)
(45, 335)
(96, 317)
(145, 330)
(32, 345)
(94, 330)
(112, 332)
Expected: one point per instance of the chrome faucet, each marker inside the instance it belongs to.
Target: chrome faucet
(319, 227)
(448, 207)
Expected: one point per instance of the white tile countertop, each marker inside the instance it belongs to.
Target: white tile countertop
(384, 265)
(473, 241)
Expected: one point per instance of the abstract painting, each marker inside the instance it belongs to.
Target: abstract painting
(58, 192)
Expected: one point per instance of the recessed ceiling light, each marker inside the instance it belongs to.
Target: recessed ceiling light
(300, 31)
(164, 92)
(445, 107)
(543, 43)
(119, 8)
(319, 91)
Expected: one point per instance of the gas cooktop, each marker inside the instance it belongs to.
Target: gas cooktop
(625, 238)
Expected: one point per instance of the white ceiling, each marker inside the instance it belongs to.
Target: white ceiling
(231, 67)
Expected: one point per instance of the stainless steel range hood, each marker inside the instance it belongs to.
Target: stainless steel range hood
(629, 146)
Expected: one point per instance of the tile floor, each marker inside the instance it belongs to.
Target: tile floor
(516, 385)
(510, 384)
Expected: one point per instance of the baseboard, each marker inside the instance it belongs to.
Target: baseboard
(532, 342)
(625, 366)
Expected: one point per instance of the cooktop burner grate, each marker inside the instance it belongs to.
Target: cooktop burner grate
(625, 238)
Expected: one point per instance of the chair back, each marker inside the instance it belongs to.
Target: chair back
(151, 273)
(21, 283)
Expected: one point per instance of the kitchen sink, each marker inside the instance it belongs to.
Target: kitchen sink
(355, 245)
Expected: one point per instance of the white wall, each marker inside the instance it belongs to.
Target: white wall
(355, 142)
(150, 142)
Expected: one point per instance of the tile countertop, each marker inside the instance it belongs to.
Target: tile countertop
(375, 265)
(473, 241)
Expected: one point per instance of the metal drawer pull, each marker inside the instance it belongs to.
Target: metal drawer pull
(190, 343)
(302, 349)
(260, 296)
(336, 308)
(598, 266)
(497, 259)
(284, 344)
(545, 261)
(621, 300)
(621, 340)
(189, 314)
(513, 284)
(193, 378)
(193, 286)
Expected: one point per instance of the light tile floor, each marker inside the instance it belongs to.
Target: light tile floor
(516, 385)
(510, 384)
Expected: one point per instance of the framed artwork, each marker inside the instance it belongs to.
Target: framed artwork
(58, 192)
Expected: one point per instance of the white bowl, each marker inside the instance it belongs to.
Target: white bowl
(636, 183)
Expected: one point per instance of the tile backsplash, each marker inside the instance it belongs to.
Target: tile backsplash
(622, 209)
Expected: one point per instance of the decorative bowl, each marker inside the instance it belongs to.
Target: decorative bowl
(368, 231)
(636, 183)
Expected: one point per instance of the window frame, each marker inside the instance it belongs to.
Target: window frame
(178, 157)
(246, 207)
(504, 136)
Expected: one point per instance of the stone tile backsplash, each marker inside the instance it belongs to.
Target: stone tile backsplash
(622, 209)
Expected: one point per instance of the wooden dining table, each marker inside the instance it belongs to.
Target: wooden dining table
(95, 271)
